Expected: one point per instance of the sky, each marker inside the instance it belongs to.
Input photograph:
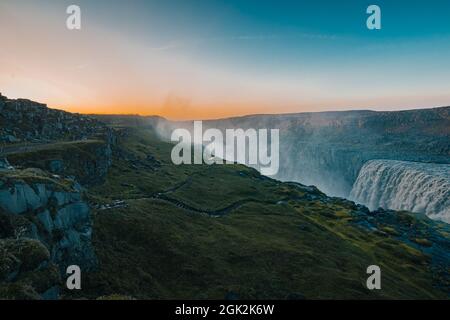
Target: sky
(202, 59)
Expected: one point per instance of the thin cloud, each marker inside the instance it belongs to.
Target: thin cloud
(249, 37)
(286, 37)
(170, 46)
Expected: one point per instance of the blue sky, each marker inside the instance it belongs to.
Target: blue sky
(208, 58)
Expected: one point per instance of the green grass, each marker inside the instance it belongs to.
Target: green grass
(264, 248)
(79, 158)
(35, 176)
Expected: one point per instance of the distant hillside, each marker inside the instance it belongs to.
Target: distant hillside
(327, 149)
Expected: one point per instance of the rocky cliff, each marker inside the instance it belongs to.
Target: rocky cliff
(47, 158)
(48, 216)
(23, 120)
(35, 136)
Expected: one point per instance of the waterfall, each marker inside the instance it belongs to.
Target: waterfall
(401, 185)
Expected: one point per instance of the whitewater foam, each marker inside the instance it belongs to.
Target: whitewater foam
(402, 185)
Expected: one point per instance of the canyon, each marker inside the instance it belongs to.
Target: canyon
(329, 149)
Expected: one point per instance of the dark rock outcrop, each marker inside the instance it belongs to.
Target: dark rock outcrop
(67, 144)
(25, 120)
(87, 161)
(50, 213)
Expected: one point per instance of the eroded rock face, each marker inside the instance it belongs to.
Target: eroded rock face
(50, 211)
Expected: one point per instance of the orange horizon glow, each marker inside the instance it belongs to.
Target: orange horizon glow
(185, 112)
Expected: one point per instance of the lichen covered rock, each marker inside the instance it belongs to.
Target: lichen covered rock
(44, 223)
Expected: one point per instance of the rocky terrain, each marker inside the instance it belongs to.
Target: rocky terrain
(27, 121)
(32, 135)
(47, 159)
(109, 199)
(47, 216)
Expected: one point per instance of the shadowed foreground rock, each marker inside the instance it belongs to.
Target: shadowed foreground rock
(47, 216)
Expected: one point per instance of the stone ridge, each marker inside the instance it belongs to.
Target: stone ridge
(23, 120)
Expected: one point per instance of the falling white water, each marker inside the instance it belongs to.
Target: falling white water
(401, 185)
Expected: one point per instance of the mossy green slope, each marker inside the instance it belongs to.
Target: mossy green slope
(203, 232)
